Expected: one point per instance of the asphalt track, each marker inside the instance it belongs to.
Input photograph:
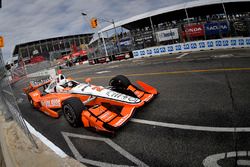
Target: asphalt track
(201, 116)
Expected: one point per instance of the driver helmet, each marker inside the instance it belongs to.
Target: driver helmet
(61, 79)
(70, 84)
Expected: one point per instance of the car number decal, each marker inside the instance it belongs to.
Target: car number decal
(51, 103)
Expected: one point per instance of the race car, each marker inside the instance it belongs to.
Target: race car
(101, 108)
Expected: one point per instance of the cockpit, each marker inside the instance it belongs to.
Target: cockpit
(61, 84)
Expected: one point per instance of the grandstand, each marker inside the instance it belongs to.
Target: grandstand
(45, 48)
(192, 21)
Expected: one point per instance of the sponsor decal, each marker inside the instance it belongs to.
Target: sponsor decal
(51, 103)
(156, 50)
(216, 28)
(233, 42)
(136, 54)
(149, 51)
(193, 45)
(194, 30)
(225, 43)
(241, 41)
(202, 44)
(167, 35)
(121, 97)
(40, 82)
(140, 39)
(142, 52)
(178, 47)
(248, 41)
(210, 44)
(170, 48)
(218, 43)
(125, 42)
(162, 50)
(240, 26)
(186, 46)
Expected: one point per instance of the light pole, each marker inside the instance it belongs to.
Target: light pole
(114, 26)
(102, 36)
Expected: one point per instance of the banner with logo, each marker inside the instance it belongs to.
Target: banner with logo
(193, 46)
(194, 30)
(216, 28)
(167, 35)
(240, 28)
(125, 42)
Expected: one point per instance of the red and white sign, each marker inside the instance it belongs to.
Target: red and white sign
(194, 30)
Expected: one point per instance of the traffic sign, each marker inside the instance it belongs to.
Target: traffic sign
(1, 42)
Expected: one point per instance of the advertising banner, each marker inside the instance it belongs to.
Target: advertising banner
(193, 46)
(167, 35)
(216, 28)
(240, 28)
(194, 30)
(125, 42)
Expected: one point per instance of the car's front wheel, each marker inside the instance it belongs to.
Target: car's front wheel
(72, 110)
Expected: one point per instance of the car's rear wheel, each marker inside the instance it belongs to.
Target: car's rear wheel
(72, 110)
(31, 102)
(120, 81)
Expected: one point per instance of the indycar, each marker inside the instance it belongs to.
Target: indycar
(83, 104)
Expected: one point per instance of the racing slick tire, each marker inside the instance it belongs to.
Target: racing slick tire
(32, 103)
(72, 110)
(120, 82)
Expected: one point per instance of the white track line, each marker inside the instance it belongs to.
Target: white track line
(113, 145)
(46, 141)
(103, 72)
(243, 163)
(212, 160)
(43, 139)
(224, 56)
(191, 127)
(181, 56)
(8, 92)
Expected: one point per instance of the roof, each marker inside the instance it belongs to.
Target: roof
(49, 39)
(168, 9)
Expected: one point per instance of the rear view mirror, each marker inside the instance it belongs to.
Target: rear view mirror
(88, 80)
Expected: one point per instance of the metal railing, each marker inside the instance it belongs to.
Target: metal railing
(9, 105)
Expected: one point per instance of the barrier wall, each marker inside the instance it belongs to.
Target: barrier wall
(193, 46)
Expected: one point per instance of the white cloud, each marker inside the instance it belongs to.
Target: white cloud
(29, 20)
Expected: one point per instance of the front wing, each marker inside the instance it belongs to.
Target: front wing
(103, 119)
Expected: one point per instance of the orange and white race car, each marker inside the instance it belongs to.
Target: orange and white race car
(102, 108)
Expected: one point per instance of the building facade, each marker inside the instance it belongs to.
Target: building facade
(187, 22)
(47, 47)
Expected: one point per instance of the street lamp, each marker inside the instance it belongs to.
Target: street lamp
(84, 14)
(114, 26)
(102, 36)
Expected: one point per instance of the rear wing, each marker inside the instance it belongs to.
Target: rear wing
(37, 84)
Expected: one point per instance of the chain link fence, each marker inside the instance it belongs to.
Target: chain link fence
(9, 100)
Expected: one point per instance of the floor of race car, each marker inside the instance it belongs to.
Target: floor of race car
(202, 113)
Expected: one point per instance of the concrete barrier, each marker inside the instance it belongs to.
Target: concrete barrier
(194, 46)
(19, 152)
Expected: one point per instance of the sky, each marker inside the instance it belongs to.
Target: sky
(30, 20)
